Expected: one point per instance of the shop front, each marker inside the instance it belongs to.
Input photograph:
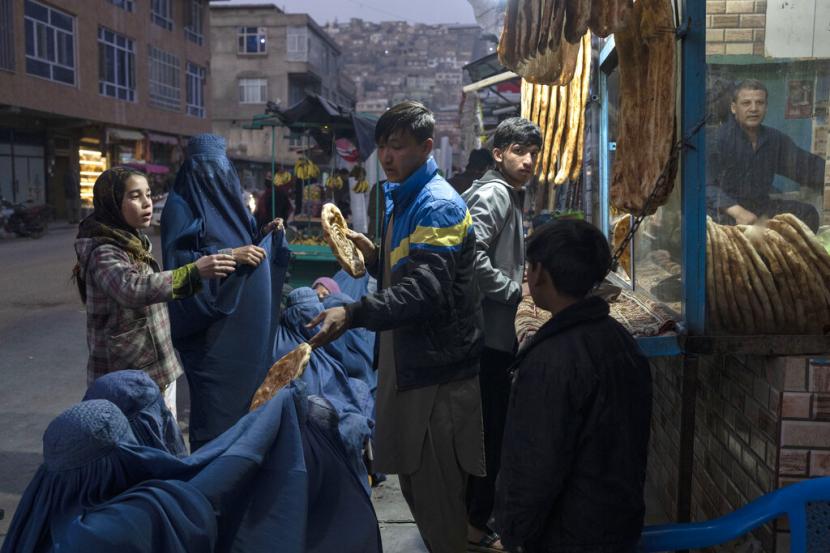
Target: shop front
(696, 138)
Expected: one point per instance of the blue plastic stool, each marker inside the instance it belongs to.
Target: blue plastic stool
(806, 505)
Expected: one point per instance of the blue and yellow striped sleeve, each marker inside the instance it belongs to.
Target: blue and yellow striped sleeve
(443, 229)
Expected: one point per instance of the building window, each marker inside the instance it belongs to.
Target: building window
(165, 90)
(116, 65)
(252, 40)
(253, 91)
(6, 35)
(126, 5)
(50, 43)
(161, 13)
(195, 90)
(195, 16)
(297, 47)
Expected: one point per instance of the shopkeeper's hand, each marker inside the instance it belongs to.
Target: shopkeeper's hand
(366, 247)
(335, 322)
(249, 255)
(741, 215)
(215, 266)
(276, 224)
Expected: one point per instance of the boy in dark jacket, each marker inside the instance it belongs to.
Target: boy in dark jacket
(576, 438)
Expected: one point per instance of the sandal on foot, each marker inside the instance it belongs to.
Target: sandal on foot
(487, 544)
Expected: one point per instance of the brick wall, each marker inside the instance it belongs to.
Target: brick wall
(664, 446)
(736, 436)
(760, 423)
(805, 424)
(735, 27)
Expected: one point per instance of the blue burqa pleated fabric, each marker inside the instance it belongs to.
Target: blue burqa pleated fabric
(355, 288)
(225, 333)
(99, 490)
(140, 400)
(341, 516)
(325, 376)
(357, 351)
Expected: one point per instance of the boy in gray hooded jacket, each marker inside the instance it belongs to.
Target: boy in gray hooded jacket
(495, 204)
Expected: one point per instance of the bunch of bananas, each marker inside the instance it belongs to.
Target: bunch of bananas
(312, 193)
(306, 169)
(361, 186)
(335, 182)
(282, 178)
(310, 241)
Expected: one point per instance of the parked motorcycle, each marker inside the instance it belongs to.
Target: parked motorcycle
(24, 219)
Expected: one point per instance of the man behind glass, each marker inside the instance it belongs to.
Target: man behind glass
(744, 157)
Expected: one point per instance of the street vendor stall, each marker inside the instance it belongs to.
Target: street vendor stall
(331, 135)
(714, 210)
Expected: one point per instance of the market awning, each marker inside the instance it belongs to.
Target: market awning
(490, 81)
(123, 134)
(163, 138)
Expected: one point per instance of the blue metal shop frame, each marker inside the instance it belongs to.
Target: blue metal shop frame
(692, 73)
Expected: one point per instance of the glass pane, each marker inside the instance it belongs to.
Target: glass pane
(251, 44)
(36, 11)
(767, 151)
(61, 20)
(63, 75)
(30, 38)
(39, 68)
(66, 50)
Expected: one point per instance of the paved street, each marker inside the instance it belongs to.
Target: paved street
(42, 338)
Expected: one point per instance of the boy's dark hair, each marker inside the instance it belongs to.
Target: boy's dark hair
(749, 84)
(574, 253)
(480, 159)
(409, 116)
(517, 130)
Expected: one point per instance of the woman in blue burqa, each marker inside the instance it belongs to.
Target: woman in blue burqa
(326, 374)
(224, 334)
(278, 476)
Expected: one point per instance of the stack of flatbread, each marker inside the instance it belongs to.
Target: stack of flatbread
(541, 38)
(560, 113)
(335, 231)
(287, 368)
(767, 279)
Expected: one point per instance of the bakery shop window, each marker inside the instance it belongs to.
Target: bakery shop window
(651, 262)
(768, 268)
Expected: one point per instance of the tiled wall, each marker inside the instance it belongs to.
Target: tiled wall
(761, 423)
(735, 27)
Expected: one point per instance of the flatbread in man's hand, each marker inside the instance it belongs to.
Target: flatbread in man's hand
(289, 367)
(334, 231)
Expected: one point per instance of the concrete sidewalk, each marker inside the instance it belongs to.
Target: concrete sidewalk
(397, 529)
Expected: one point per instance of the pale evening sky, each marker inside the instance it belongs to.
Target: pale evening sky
(414, 11)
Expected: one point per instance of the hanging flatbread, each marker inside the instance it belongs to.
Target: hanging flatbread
(290, 366)
(576, 166)
(577, 14)
(608, 15)
(621, 230)
(334, 231)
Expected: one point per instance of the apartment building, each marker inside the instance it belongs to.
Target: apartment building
(88, 84)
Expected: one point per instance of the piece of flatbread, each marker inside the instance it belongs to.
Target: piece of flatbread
(334, 231)
(287, 368)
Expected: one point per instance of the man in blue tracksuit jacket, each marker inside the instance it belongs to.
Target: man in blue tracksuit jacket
(427, 315)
